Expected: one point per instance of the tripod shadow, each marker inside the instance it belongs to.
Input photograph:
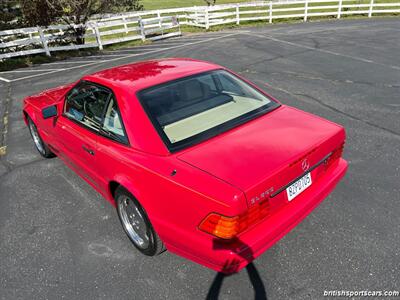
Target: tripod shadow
(232, 267)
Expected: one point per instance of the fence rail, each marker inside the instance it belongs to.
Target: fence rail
(96, 34)
(110, 29)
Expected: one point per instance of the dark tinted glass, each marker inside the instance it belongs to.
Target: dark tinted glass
(86, 104)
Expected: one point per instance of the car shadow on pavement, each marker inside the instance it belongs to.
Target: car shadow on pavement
(231, 267)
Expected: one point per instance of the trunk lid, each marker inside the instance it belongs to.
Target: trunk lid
(264, 155)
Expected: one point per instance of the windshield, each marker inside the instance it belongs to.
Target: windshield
(195, 105)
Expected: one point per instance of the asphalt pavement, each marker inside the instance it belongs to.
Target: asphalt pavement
(60, 239)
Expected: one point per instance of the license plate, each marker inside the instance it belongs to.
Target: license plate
(298, 187)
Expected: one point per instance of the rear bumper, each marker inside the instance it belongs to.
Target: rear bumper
(233, 256)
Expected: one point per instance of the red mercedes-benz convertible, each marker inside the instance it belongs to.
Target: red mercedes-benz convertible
(196, 159)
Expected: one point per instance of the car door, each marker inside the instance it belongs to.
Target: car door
(79, 126)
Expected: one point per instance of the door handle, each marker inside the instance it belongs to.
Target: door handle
(90, 151)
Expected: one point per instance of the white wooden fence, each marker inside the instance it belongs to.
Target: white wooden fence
(294, 9)
(110, 29)
(206, 17)
(98, 33)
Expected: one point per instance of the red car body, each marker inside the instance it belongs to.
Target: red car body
(231, 174)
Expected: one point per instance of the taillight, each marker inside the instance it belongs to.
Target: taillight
(336, 154)
(229, 227)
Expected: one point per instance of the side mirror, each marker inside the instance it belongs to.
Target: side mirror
(49, 112)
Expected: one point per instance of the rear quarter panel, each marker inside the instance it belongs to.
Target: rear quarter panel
(175, 204)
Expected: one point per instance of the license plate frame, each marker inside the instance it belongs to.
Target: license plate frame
(299, 186)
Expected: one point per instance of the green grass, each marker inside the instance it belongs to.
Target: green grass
(160, 4)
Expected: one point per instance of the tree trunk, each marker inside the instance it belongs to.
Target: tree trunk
(79, 35)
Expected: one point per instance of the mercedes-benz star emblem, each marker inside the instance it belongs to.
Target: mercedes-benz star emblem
(305, 165)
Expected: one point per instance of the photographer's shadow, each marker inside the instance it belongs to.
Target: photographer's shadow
(232, 266)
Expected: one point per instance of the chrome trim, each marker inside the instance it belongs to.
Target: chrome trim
(302, 175)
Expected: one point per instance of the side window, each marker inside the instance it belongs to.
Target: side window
(86, 104)
(113, 123)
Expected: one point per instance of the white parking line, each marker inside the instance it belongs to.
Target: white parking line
(324, 51)
(27, 71)
(130, 55)
(136, 50)
(110, 55)
(173, 42)
(71, 68)
(160, 43)
(4, 79)
(196, 37)
(165, 44)
(69, 62)
(151, 46)
(170, 44)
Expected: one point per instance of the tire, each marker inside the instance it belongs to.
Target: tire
(136, 224)
(41, 147)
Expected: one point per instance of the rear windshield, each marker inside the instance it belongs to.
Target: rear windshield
(201, 105)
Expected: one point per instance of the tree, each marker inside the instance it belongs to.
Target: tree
(10, 14)
(210, 2)
(70, 12)
(37, 13)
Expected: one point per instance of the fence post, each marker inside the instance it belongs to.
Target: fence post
(339, 12)
(125, 25)
(175, 22)
(142, 31)
(160, 23)
(371, 8)
(98, 36)
(159, 19)
(207, 20)
(237, 15)
(305, 10)
(195, 13)
(44, 41)
(270, 12)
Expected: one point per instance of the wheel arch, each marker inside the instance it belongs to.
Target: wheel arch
(29, 112)
(112, 187)
(128, 184)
